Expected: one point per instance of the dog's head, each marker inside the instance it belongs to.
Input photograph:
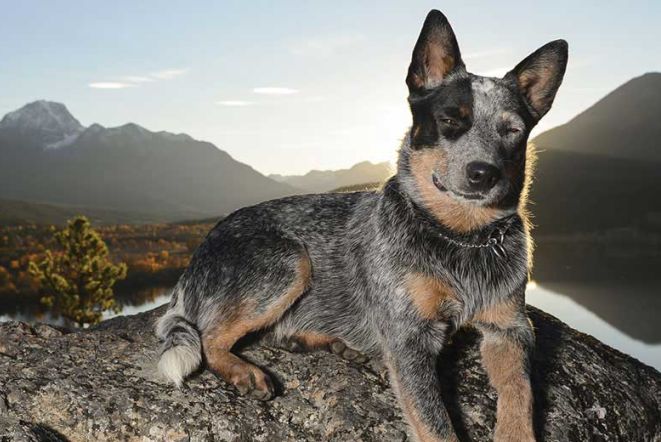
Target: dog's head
(465, 156)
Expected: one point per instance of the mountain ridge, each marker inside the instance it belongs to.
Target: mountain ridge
(620, 115)
(126, 168)
(326, 180)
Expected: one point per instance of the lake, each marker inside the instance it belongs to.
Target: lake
(547, 298)
(576, 316)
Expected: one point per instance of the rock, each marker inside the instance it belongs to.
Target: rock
(100, 384)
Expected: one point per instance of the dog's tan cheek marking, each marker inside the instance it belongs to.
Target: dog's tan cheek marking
(448, 211)
(218, 342)
(503, 362)
(427, 294)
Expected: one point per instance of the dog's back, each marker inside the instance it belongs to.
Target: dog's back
(251, 257)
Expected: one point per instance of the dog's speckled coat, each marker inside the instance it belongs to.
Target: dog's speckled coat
(384, 272)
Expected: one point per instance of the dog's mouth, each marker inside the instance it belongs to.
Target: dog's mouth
(467, 196)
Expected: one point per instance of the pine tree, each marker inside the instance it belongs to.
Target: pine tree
(78, 277)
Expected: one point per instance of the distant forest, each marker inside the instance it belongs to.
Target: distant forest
(154, 253)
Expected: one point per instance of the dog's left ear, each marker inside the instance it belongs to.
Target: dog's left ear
(435, 55)
(539, 76)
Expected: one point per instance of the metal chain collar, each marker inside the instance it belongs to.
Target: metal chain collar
(493, 242)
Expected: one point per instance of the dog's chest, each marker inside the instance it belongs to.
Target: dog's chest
(459, 282)
(488, 270)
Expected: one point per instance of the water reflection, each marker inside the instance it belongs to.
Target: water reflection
(582, 319)
(161, 295)
(631, 307)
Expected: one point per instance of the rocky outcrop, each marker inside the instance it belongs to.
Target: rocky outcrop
(99, 384)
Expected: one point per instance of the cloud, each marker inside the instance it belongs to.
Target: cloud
(275, 90)
(135, 80)
(138, 79)
(267, 90)
(168, 74)
(234, 103)
(326, 45)
(110, 85)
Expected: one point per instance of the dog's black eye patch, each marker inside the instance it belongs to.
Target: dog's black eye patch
(455, 116)
(445, 112)
(457, 113)
(453, 121)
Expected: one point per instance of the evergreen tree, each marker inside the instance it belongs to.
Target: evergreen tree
(78, 277)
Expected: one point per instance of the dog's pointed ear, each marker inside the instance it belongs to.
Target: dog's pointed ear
(435, 55)
(539, 76)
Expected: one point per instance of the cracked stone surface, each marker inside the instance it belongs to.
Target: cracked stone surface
(100, 385)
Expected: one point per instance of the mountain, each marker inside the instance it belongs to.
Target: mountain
(579, 193)
(600, 171)
(325, 180)
(623, 124)
(47, 156)
(41, 124)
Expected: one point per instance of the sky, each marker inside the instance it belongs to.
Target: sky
(290, 86)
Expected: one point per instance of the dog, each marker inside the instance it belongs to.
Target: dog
(391, 273)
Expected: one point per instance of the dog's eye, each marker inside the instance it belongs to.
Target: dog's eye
(513, 130)
(450, 122)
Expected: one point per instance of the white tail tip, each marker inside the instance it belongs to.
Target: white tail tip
(178, 362)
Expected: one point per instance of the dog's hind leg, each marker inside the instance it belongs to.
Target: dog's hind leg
(268, 289)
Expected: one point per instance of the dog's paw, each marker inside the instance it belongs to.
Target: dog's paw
(340, 348)
(302, 344)
(252, 381)
(294, 345)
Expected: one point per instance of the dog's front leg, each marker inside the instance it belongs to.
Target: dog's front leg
(415, 380)
(507, 343)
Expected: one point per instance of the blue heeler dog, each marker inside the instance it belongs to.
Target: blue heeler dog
(394, 272)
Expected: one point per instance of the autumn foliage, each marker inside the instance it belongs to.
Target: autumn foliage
(155, 255)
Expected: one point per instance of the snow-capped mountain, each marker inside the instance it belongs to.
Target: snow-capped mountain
(47, 156)
(46, 123)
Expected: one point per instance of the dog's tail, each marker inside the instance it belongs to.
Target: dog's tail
(181, 348)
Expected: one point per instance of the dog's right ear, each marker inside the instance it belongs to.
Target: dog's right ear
(435, 55)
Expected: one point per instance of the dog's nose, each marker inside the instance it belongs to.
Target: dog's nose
(482, 176)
